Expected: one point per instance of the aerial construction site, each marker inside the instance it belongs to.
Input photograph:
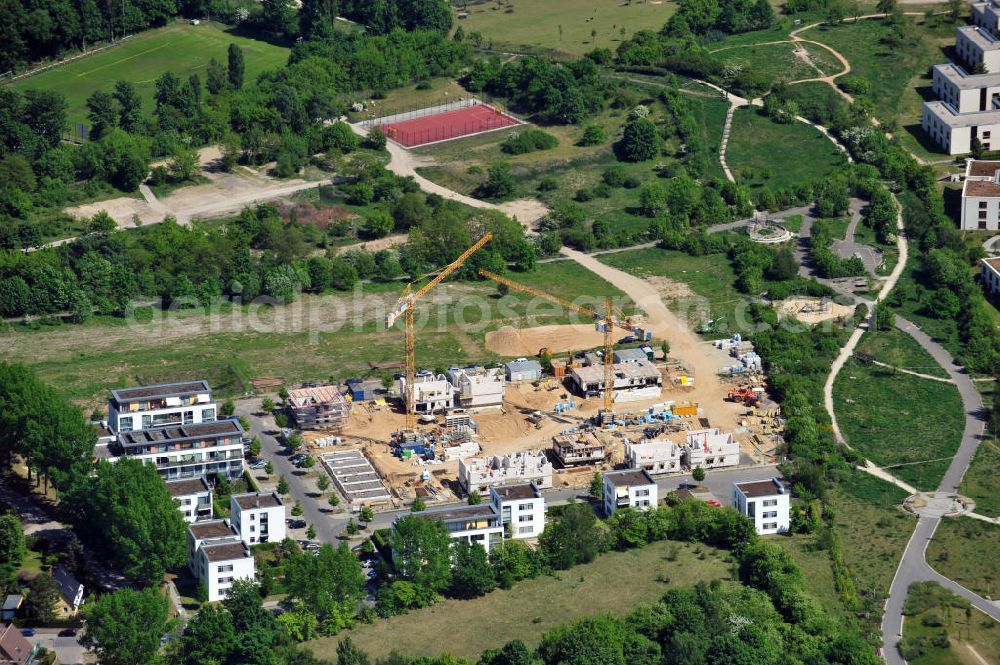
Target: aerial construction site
(586, 398)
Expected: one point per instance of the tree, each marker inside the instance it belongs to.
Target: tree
(296, 509)
(208, 638)
(45, 115)
(311, 532)
(784, 266)
(698, 474)
(282, 487)
(267, 405)
(885, 317)
(471, 573)
(422, 552)
(255, 445)
(955, 8)
(317, 17)
(102, 222)
(41, 599)
(640, 140)
(367, 514)
(216, 77)
(128, 500)
(376, 139)
(887, 7)
(597, 486)
(12, 547)
(349, 654)
(228, 408)
(418, 505)
(333, 500)
(323, 482)
(236, 67)
(330, 584)
(102, 113)
(573, 538)
(499, 183)
(183, 165)
(124, 627)
(475, 498)
(129, 106)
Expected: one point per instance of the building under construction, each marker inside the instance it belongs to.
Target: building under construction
(632, 380)
(578, 448)
(319, 407)
(477, 388)
(660, 453)
(478, 474)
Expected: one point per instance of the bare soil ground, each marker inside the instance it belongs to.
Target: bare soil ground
(508, 341)
(794, 306)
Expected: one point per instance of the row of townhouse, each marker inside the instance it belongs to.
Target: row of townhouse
(475, 388)
(219, 550)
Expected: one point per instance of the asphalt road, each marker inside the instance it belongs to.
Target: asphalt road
(66, 649)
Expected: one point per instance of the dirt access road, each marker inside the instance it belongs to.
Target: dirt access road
(685, 345)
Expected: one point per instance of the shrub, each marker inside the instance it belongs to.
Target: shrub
(593, 135)
(529, 140)
(615, 176)
(548, 184)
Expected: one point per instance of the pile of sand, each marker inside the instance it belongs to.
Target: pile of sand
(508, 341)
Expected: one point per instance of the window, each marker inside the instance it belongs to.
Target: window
(982, 205)
(769, 502)
(641, 504)
(147, 421)
(524, 506)
(982, 214)
(252, 528)
(526, 518)
(770, 514)
(188, 417)
(125, 424)
(525, 529)
(207, 415)
(986, 135)
(185, 502)
(253, 516)
(642, 492)
(982, 224)
(225, 580)
(228, 568)
(770, 526)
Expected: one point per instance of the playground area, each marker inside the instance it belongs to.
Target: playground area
(443, 123)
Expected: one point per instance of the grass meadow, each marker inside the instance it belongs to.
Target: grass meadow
(181, 48)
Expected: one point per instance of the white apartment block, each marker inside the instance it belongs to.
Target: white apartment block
(955, 131)
(978, 46)
(479, 474)
(981, 196)
(168, 404)
(990, 276)
(966, 93)
(258, 518)
(710, 449)
(766, 502)
(477, 388)
(521, 508)
(193, 497)
(629, 489)
(987, 15)
(430, 393)
(218, 557)
(655, 456)
(186, 451)
(631, 381)
(479, 524)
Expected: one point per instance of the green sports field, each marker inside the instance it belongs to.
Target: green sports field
(180, 47)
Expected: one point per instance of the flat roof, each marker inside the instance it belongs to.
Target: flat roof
(994, 264)
(966, 81)
(517, 492)
(161, 390)
(211, 529)
(521, 365)
(642, 369)
(981, 37)
(629, 478)
(454, 513)
(579, 440)
(226, 551)
(758, 488)
(257, 500)
(946, 114)
(981, 188)
(187, 487)
(981, 168)
(301, 397)
(179, 433)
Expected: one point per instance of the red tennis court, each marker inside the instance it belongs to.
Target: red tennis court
(447, 125)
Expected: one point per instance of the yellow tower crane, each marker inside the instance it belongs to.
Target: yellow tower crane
(404, 307)
(605, 323)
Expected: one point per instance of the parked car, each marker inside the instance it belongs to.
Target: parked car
(67, 632)
(312, 546)
(28, 632)
(372, 574)
(628, 339)
(295, 524)
(297, 460)
(258, 463)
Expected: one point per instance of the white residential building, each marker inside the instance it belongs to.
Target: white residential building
(955, 131)
(766, 502)
(632, 380)
(629, 489)
(258, 518)
(186, 451)
(477, 388)
(711, 448)
(977, 46)
(522, 507)
(478, 524)
(478, 474)
(430, 393)
(655, 456)
(172, 404)
(990, 275)
(987, 15)
(981, 196)
(218, 557)
(193, 497)
(967, 93)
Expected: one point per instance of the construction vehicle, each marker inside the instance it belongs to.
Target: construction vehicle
(710, 325)
(605, 322)
(748, 395)
(404, 308)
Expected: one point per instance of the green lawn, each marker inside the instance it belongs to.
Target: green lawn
(899, 419)
(873, 533)
(774, 63)
(764, 153)
(817, 571)
(616, 582)
(562, 27)
(980, 480)
(964, 550)
(945, 615)
(896, 348)
(180, 47)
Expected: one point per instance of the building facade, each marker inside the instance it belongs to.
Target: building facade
(766, 502)
(480, 524)
(217, 556)
(629, 489)
(186, 451)
(990, 274)
(523, 369)
(431, 393)
(319, 407)
(479, 474)
(258, 518)
(655, 456)
(478, 388)
(168, 404)
(193, 497)
(576, 449)
(521, 508)
(981, 196)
